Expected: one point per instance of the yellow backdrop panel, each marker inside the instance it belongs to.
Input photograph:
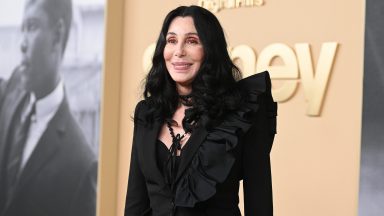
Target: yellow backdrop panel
(314, 51)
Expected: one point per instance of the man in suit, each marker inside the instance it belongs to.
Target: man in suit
(46, 166)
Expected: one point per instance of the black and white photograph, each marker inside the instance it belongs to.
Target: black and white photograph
(51, 61)
(371, 194)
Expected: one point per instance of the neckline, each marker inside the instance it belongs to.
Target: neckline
(168, 150)
(161, 143)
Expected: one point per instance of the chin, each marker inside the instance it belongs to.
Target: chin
(183, 81)
(182, 77)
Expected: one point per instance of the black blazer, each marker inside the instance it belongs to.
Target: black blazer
(60, 176)
(212, 164)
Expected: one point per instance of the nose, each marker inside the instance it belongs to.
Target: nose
(180, 50)
(24, 45)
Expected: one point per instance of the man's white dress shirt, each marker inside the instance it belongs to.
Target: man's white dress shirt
(45, 109)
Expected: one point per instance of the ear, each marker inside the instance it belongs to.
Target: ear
(59, 34)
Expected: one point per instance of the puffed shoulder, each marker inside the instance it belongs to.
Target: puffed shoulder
(259, 86)
(214, 158)
(142, 108)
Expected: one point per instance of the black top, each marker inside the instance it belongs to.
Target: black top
(162, 154)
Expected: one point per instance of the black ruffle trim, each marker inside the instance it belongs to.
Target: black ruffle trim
(214, 159)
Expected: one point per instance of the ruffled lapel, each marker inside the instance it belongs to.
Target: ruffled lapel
(208, 157)
(190, 149)
(256, 84)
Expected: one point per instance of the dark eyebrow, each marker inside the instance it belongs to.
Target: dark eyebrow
(190, 33)
(31, 19)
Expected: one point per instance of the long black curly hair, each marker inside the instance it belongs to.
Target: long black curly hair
(214, 89)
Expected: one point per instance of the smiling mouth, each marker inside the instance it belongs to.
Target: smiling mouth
(181, 65)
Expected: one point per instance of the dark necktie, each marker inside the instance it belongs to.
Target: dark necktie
(18, 138)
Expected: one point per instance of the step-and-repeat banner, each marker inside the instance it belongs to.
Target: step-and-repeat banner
(314, 51)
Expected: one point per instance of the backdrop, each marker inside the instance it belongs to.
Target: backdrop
(314, 52)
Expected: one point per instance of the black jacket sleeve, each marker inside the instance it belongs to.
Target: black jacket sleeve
(137, 200)
(257, 182)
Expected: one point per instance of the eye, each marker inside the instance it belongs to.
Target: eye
(30, 26)
(171, 40)
(193, 40)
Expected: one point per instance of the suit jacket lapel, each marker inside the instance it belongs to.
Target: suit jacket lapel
(47, 146)
(190, 149)
(146, 142)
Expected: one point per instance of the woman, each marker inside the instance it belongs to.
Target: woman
(199, 131)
